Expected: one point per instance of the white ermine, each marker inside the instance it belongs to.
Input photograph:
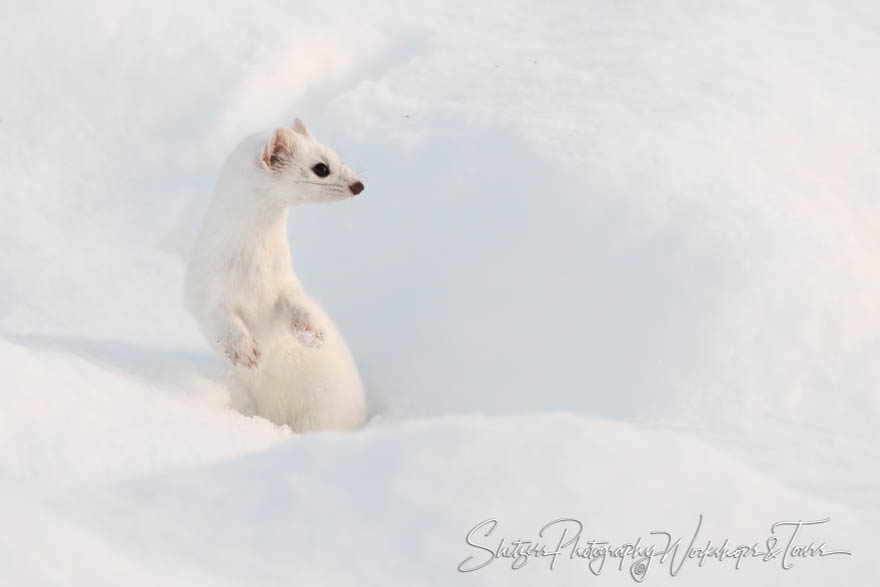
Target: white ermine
(282, 347)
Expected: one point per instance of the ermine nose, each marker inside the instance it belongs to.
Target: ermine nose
(356, 188)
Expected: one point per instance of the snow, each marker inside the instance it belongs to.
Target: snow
(616, 262)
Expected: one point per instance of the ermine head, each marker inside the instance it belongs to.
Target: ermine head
(300, 169)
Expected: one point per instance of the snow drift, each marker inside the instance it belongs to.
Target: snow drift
(661, 221)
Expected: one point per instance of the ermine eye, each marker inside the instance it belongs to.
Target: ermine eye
(321, 170)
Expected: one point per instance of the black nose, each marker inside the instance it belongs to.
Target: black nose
(356, 188)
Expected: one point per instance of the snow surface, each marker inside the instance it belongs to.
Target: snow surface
(615, 261)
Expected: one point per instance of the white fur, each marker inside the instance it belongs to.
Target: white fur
(281, 346)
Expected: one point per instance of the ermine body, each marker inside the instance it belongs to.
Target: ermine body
(282, 348)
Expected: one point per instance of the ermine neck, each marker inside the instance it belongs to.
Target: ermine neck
(260, 222)
(248, 213)
(249, 230)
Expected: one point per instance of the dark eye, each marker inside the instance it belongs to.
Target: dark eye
(321, 170)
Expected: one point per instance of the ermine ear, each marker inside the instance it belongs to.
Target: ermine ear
(300, 127)
(279, 150)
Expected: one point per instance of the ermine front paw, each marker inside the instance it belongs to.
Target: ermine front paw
(306, 330)
(242, 350)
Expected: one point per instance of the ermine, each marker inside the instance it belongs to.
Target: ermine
(281, 347)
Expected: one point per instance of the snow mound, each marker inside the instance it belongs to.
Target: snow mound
(613, 262)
